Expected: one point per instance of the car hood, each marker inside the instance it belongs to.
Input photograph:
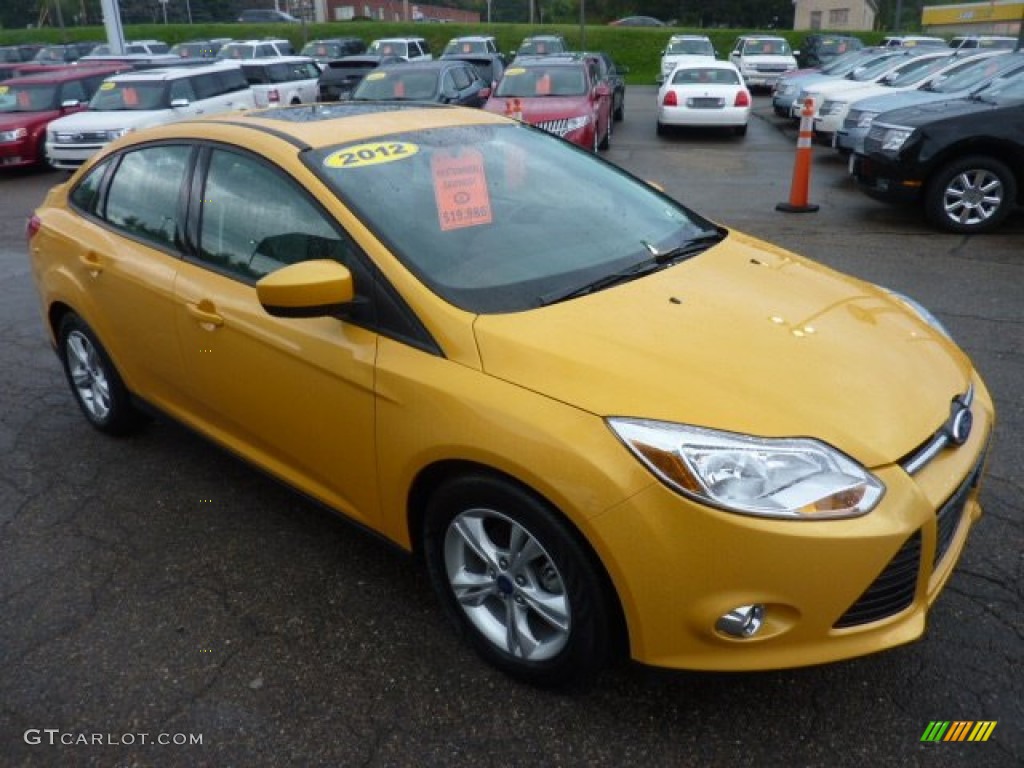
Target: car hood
(111, 120)
(921, 114)
(13, 120)
(886, 102)
(536, 110)
(747, 338)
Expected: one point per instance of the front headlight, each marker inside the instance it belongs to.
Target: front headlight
(864, 119)
(789, 478)
(921, 311)
(575, 123)
(895, 137)
(17, 133)
(117, 133)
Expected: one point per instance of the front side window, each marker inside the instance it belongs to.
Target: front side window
(144, 194)
(85, 195)
(254, 221)
(501, 218)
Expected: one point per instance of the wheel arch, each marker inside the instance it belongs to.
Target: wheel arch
(434, 476)
(1012, 156)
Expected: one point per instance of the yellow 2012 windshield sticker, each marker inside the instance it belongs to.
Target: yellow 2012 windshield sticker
(372, 153)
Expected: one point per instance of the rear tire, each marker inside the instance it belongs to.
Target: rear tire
(662, 129)
(94, 381)
(970, 195)
(740, 130)
(516, 581)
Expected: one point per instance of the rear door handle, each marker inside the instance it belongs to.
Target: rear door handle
(205, 313)
(91, 261)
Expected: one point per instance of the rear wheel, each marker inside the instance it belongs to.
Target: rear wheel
(95, 383)
(620, 110)
(607, 141)
(971, 195)
(740, 130)
(516, 582)
(662, 129)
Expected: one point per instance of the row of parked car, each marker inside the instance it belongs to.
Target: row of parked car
(63, 114)
(925, 125)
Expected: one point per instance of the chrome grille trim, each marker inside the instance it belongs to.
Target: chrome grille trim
(931, 448)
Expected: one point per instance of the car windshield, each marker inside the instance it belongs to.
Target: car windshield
(705, 76)
(28, 98)
(322, 50)
(774, 47)
(53, 53)
(130, 96)
(388, 48)
(915, 71)
(874, 69)
(541, 47)
(691, 47)
(499, 218)
(237, 52)
(966, 75)
(843, 65)
(833, 47)
(398, 85)
(527, 82)
(1008, 91)
(465, 46)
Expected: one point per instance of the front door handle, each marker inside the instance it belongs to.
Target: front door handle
(206, 314)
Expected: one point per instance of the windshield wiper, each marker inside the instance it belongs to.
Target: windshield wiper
(656, 263)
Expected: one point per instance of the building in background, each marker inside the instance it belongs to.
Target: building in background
(835, 15)
(1002, 17)
(395, 10)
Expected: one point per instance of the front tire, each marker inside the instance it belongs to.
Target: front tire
(971, 195)
(94, 381)
(516, 581)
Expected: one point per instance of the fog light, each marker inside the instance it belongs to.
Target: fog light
(741, 621)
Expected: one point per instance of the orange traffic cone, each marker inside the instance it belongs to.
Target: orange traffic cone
(799, 189)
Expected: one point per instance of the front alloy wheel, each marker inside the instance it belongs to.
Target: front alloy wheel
(516, 581)
(971, 195)
(507, 585)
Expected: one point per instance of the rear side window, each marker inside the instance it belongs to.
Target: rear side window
(86, 194)
(144, 194)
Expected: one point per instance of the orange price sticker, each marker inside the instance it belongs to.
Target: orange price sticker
(460, 189)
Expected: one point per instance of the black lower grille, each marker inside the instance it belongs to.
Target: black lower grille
(891, 592)
(951, 513)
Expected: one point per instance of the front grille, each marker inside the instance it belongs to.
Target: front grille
(557, 127)
(702, 102)
(86, 137)
(891, 592)
(771, 68)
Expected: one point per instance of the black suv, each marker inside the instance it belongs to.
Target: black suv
(964, 159)
(340, 77)
(819, 50)
(333, 48)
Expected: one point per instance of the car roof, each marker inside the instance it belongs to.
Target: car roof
(173, 73)
(289, 130)
(63, 75)
(397, 39)
(266, 60)
(689, 37)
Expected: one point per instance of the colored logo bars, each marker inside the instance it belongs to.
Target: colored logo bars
(958, 730)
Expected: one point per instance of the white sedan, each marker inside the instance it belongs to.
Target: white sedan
(705, 93)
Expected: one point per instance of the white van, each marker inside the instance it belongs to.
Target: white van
(136, 100)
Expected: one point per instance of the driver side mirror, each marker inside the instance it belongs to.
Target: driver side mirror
(317, 288)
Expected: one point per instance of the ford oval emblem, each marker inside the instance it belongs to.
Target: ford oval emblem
(958, 428)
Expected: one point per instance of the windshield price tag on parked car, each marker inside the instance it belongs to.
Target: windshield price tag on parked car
(460, 188)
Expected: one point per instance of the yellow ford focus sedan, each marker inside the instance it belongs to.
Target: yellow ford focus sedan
(607, 425)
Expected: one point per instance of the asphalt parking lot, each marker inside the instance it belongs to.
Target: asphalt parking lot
(156, 589)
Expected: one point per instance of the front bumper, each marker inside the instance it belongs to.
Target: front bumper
(18, 153)
(70, 156)
(884, 180)
(679, 567)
